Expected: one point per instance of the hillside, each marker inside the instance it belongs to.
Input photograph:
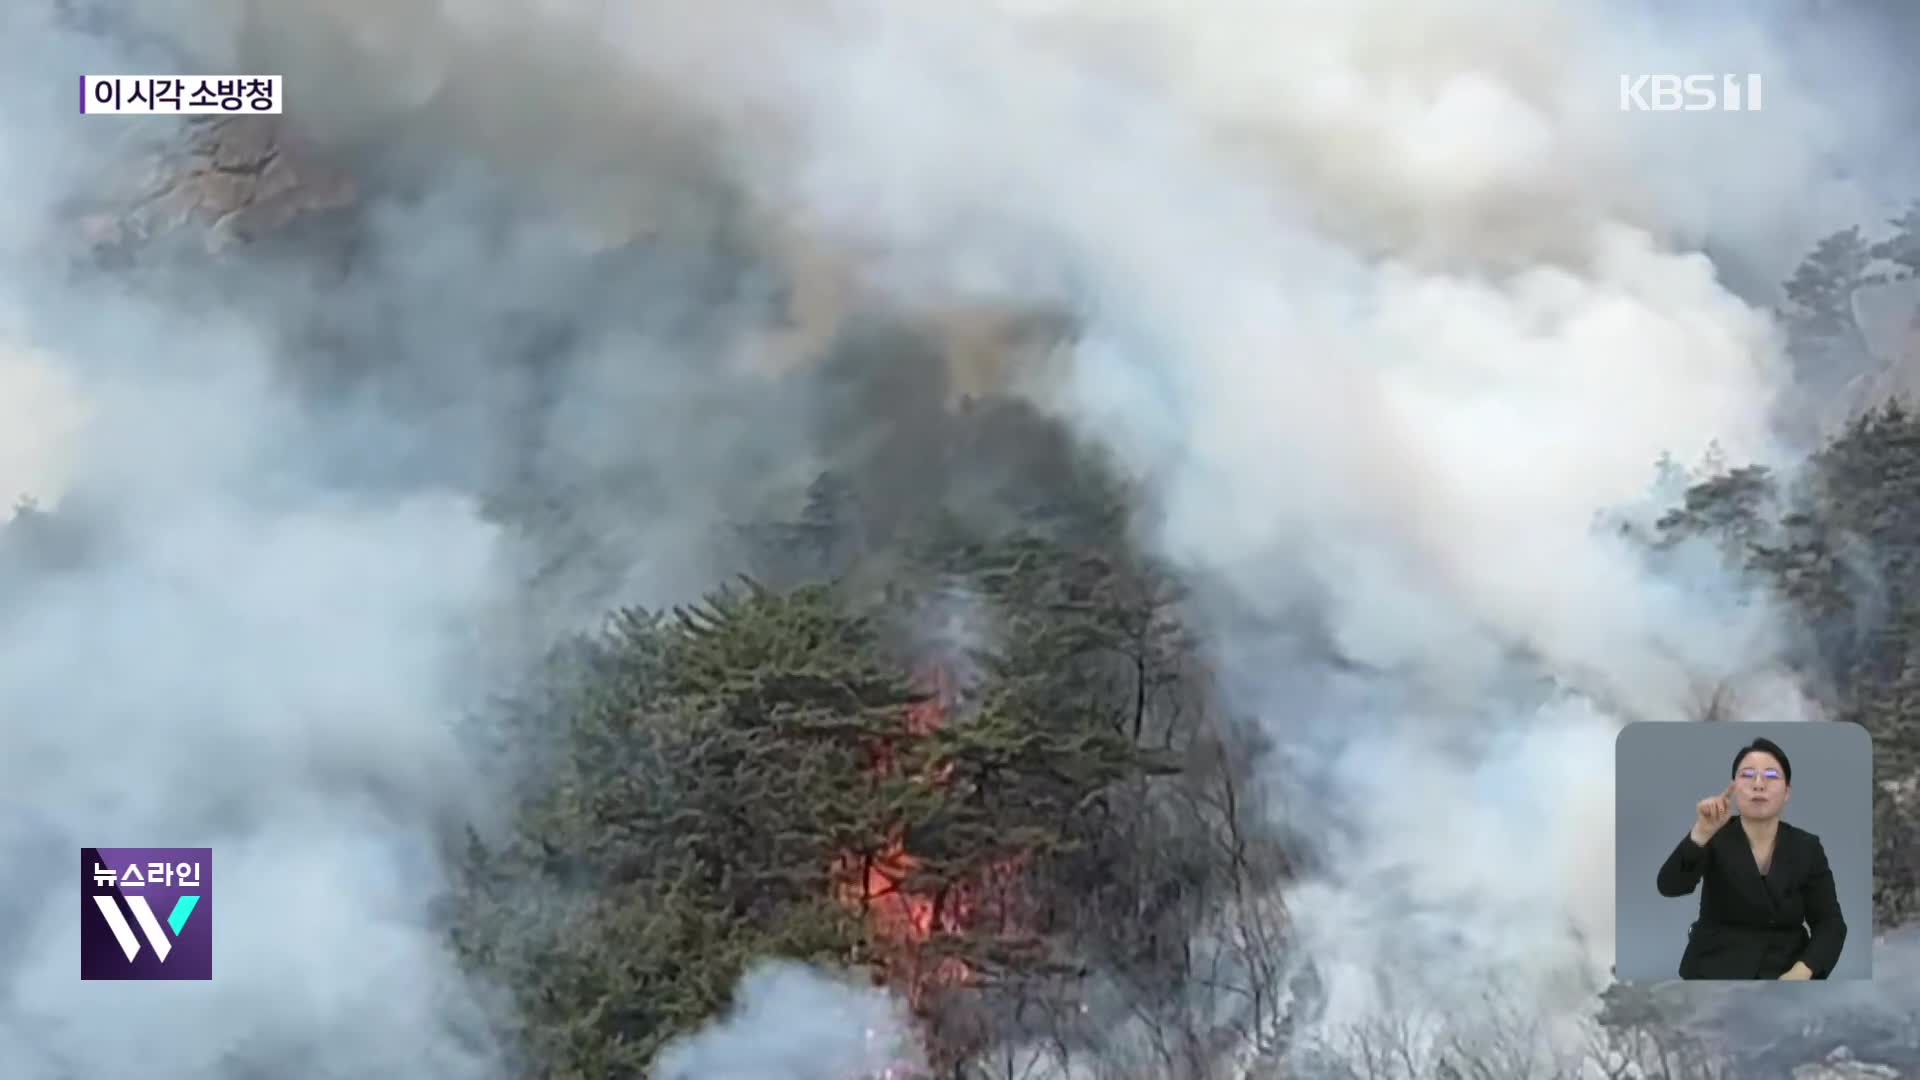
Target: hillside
(746, 545)
(951, 728)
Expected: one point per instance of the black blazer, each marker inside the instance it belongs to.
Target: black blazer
(1754, 926)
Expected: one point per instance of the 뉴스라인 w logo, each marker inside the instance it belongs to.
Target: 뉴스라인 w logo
(146, 913)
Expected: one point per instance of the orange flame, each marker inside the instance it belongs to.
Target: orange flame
(908, 916)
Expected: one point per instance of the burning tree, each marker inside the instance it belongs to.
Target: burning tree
(758, 776)
(916, 912)
(708, 766)
(799, 770)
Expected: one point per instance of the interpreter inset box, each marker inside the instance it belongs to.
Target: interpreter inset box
(1743, 851)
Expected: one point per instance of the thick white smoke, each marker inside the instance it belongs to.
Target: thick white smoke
(253, 665)
(257, 621)
(218, 648)
(1385, 299)
(790, 1022)
(40, 411)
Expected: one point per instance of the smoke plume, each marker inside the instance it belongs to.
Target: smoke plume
(792, 1023)
(291, 524)
(1382, 300)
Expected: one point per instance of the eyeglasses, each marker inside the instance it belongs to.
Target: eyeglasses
(1769, 774)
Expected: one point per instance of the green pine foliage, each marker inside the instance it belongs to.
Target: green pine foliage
(719, 762)
(714, 763)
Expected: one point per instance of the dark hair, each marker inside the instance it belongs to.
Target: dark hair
(1765, 746)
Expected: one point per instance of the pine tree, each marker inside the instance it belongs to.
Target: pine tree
(715, 762)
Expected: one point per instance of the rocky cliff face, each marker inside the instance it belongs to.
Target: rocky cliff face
(1842, 1065)
(1888, 317)
(230, 179)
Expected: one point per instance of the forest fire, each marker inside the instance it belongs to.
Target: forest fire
(913, 919)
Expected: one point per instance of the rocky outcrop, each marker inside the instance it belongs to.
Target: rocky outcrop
(1888, 316)
(1842, 1065)
(236, 178)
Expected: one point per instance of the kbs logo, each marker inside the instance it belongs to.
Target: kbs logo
(1690, 93)
(168, 892)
